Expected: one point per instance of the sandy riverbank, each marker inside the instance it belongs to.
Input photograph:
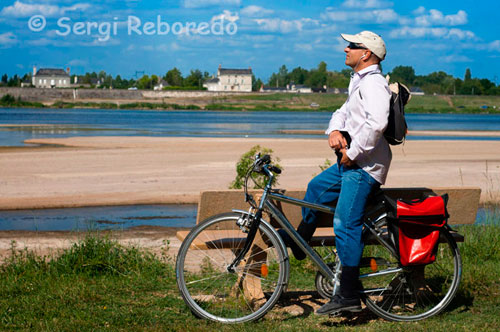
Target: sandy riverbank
(142, 170)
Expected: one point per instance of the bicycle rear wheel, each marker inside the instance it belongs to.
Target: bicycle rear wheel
(415, 292)
(213, 292)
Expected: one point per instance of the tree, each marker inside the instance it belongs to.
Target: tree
(14, 81)
(144, 83)
(256, 84)
(346, 72)
(337, 80)
(298, 75)
(280, 79)
(5, 78)
(174, 77)
(283, 76)
(194, 79)
(317, 77)
(322, 67)
(403, 74)
(467, 76)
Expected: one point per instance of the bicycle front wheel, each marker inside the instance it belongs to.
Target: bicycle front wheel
(414, 292)
(212, 291)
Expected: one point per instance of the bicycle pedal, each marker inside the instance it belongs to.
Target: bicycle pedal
(335, 314)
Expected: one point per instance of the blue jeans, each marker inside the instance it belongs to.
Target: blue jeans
(350, 187)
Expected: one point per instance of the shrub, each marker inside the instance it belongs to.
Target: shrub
(8, 100)
(244, 164)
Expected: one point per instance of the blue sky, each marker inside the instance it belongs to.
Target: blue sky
(91, 35)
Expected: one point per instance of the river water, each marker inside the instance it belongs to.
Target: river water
(17, 125)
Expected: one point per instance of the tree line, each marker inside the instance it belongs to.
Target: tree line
(434, 83)
(174, 79)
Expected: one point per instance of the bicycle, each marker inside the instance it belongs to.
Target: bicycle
(233, 267)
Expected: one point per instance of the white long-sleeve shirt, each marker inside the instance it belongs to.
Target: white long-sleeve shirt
(364, 116)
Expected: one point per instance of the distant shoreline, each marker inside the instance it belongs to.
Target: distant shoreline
(191, 107)
(226, 101)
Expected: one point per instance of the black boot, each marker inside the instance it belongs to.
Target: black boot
(348, 297)
(306, 231)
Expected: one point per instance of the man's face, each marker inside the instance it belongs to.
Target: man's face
(353, 54)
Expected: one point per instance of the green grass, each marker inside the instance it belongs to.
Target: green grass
(98, 285)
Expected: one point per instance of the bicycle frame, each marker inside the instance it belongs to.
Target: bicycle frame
(317, 260)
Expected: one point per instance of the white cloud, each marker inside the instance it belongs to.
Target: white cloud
(208, 3)
(256, 11)
(78, 62)
(437, 32)
(377, 16)
(419, 11)
(49, 42)
(305, 47)
(226, 16)
(494, 45)
(7, 39)
(285, 26)
(455, 58)
(435, 17)
(19, 9)
(461, 34)
(360, 4)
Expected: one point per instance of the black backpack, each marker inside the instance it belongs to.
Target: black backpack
(397, 128)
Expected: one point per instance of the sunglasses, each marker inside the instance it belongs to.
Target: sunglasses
(355, 46)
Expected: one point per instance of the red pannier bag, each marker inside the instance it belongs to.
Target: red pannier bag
(419, 222)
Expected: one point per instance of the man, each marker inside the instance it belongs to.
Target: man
(361, 167)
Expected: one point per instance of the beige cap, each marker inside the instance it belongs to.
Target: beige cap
(371, 40)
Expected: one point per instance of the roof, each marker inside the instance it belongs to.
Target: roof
(226, 71)
(270, 88)
(212, 80)
(51, 72)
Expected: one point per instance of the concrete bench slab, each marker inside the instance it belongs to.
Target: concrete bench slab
(462, 205)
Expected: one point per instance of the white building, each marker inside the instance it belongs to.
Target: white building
(51, 78)
(231, 80)
(162, 84)
(298, 88)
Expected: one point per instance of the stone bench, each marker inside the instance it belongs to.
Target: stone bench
(463, 204)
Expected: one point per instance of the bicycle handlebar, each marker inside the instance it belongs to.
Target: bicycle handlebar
(263, 163)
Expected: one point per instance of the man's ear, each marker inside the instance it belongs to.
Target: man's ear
(367, 55)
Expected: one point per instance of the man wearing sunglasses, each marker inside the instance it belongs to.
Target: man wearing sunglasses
(355, 132)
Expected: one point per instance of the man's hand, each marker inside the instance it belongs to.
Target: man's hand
(345, 159)
(336, 140)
